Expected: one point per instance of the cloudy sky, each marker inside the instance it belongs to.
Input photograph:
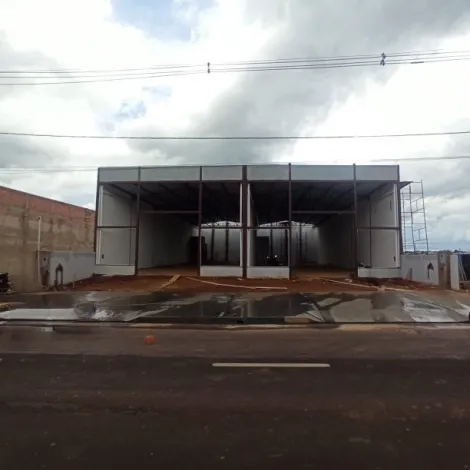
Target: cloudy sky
(116, 34)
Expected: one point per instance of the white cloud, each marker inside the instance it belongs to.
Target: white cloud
(58, 34)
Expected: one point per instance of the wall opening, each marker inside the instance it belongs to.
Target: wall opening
(221, 234)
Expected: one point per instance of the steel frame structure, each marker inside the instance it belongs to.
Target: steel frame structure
(245, 226)
(413, 218)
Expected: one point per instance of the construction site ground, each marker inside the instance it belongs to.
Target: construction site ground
(328, 282)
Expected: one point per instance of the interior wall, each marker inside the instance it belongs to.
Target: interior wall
(305, 239)
(163, 240)
(220, 241)
(335, 242)
(115, 243)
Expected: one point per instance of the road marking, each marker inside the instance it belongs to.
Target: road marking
(283, 365)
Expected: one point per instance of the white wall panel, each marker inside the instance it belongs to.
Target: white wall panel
(385, 244)
(221, 271)
(115, 208)
(268, 172)
(272, 272)
(222, 173)
(170, 173)
(377, 172)
(322, 172)
(110, 175)
(115, 246)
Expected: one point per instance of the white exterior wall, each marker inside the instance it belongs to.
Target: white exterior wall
(384, 213)
(115, 246)
(75, 266)
(416, 266)
(379, 248)
(163, 240)
(115, 208)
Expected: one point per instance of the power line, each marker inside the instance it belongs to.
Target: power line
(291, 137)
(111, 79)
(233, 67)
(376, 56)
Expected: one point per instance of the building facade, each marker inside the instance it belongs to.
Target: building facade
(150, 217)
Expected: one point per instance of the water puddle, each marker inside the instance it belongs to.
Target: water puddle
(375, 307)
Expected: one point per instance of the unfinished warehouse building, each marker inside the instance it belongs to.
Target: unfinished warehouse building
(249, 220)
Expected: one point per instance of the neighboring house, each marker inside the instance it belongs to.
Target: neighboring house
(28, 221)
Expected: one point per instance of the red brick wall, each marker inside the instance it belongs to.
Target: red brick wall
(64, 227)
(13, 197)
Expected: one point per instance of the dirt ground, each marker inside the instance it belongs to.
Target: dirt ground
(218, 284)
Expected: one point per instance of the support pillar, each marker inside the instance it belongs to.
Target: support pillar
(97, 204)
(137, 226)
(399, 213)
(356, 224)
(244, 207)
(199, 224)
(289, 249)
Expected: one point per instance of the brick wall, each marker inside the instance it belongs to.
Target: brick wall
(63, 227)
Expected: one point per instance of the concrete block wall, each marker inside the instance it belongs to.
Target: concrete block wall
(64, 227)
(429, 268)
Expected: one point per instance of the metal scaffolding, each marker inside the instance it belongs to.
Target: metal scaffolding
(413, 218)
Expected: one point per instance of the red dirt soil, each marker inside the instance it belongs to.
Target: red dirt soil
(184, 284)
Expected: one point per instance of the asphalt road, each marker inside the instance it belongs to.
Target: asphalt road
(75, 411)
